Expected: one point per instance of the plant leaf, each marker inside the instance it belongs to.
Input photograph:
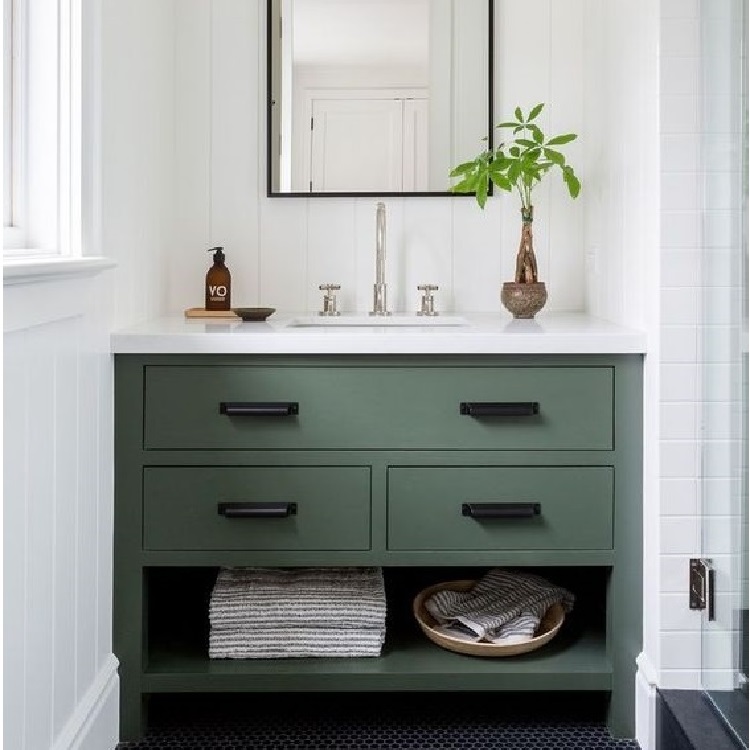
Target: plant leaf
(514, 171)
(464, 168)
(465, 186)
(536, 134)
(525, 142)
(535, 112)
(561, 139)
(483, 189)
(501, 181)
(519, 114)
(574, 185)
(515, 151)
(498, 161)
(507, 125)
(554, 156)
(468, 184)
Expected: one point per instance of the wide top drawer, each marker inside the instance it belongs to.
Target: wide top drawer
(369, 407)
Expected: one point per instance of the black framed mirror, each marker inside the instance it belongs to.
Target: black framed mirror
(375, 97)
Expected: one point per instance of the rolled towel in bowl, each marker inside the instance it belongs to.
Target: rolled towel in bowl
(504, 606)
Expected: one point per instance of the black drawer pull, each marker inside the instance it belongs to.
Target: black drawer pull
(257, 510)
(501, 510)
(499, 408)
(259, 409)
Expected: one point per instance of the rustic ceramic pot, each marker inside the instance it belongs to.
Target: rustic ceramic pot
(523, 301)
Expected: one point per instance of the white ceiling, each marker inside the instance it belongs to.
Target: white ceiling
(361, 32)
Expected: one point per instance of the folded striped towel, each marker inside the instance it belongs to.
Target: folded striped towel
(266, 613)
(504, 607)
(296, 642)
(341, 597)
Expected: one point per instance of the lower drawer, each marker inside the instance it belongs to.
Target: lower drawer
(262, 508)
(498, 508)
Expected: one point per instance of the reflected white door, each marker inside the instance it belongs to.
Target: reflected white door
(357, 145)
(416, 164)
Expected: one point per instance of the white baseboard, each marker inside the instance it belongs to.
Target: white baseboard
(94, 725)
(645, 703)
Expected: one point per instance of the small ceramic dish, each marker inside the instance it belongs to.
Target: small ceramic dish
(254, 313)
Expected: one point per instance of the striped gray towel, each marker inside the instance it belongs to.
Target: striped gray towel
(296, 642)
(341, 597)
(504, 607)
(271, 613)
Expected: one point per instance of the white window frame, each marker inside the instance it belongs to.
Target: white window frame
(42, 216)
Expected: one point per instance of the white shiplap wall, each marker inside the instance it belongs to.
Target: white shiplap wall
(61, 690)
(279, 250)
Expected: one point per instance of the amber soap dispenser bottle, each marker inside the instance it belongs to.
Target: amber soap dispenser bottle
(218, 283)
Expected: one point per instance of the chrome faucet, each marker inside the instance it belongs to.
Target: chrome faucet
(380, 296)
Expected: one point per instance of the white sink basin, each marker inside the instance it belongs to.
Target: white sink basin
(400, 320)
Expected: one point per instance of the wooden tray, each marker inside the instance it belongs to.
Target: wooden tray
(199, 312)
(547, 630)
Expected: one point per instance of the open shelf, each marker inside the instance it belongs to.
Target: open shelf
(570, 662)
(576, 659)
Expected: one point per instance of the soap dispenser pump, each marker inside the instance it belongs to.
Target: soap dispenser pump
(218, 283)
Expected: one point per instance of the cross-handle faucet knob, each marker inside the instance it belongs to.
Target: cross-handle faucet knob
(329, 299)
(428, 301)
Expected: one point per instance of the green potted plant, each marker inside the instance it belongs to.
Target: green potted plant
(520, 164)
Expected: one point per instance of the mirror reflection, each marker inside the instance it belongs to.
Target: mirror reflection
(375, 96)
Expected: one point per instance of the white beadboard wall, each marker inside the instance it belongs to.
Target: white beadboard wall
(279, 250)
(60, 674)
(57, 521)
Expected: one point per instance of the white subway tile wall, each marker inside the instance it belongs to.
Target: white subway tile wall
(680, 258)
(700, 313)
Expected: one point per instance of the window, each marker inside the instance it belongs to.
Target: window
(42, 127)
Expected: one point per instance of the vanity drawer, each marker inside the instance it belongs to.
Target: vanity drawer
(263, 508)
(387, 407)
(499, 508)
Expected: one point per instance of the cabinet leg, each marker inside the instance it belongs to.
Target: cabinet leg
(133, 716)
(621, 711)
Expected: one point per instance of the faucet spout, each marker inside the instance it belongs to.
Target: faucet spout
(380, 289)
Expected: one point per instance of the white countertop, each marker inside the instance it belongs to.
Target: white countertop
(491, 333)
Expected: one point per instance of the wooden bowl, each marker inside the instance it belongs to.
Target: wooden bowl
(547, 630)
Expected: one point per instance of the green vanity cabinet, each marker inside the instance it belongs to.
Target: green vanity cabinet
(295, 460)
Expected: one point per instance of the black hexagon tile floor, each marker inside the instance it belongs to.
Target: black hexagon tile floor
(405, 721)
